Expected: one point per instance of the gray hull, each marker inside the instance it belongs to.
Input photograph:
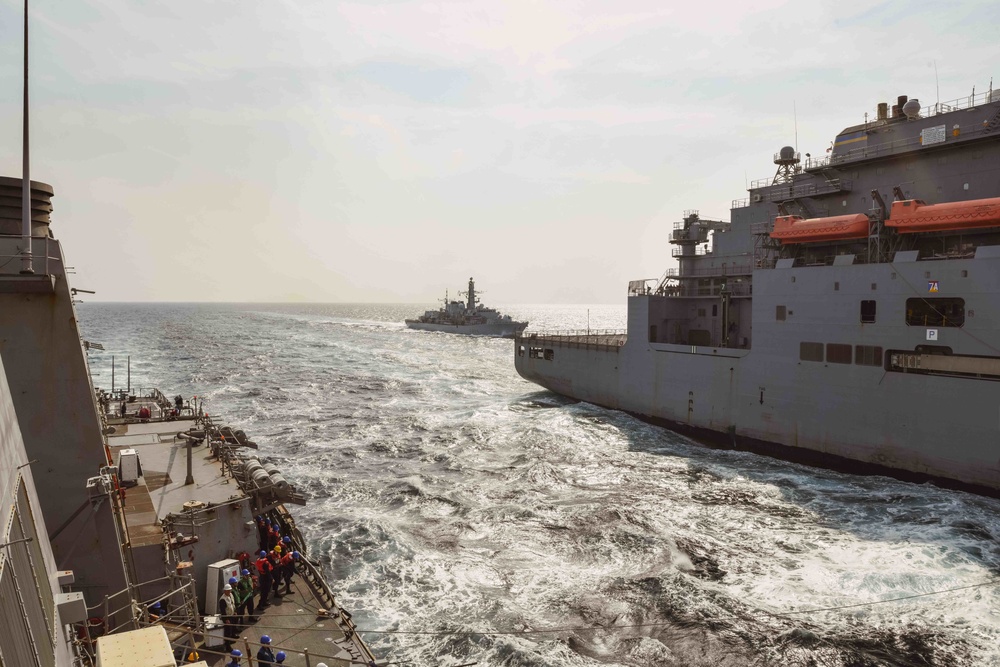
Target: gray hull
(508, 330)
(879, 353)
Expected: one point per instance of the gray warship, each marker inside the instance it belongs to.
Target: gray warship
(469, 317)
(125, 512)
(847, 315)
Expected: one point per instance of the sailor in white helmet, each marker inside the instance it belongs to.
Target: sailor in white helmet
(322, 664)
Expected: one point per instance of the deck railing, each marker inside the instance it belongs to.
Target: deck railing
(39, 258)
(574, 338)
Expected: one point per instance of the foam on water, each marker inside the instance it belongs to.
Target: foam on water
(449, 497)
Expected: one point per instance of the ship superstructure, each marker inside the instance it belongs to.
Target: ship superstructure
(848, 314)
(469, 317)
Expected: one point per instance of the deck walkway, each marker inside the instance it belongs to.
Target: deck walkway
(298, 622)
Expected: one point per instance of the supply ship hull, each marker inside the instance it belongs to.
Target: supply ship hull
(793, 336)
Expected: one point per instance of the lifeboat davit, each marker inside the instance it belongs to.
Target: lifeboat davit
(913, 215)
(793, 229)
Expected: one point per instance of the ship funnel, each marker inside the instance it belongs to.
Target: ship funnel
(883, 110)
(897, 108)
(11, 206)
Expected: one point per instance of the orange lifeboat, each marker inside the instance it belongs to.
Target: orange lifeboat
(913, 215)
(793, 229)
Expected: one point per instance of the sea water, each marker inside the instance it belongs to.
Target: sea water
(465, 515)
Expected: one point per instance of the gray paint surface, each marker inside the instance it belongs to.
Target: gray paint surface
(715, 346)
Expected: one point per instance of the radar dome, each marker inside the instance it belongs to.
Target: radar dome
(787, 153)
(912, 109)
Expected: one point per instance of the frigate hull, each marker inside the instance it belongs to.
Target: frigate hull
(503, 330)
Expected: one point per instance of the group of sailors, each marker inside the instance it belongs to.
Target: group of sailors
(275, 564)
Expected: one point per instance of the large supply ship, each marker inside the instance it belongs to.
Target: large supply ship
(848, 314)
(469, 317)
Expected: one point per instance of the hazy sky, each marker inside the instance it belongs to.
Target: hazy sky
(384, 151)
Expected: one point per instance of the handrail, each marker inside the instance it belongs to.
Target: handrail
(575, 332)
(875, 150)
(44, 255)
(729, 270)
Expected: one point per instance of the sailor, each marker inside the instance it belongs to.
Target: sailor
(124, 409)
(265, 656)
(155, 611)
(192, 658)
(244, 596)
(273, 536)
(279, 658)
(264, 569)
(287, 568)
(262, 531)
(227, 609)
(275, 562)
(236, 655)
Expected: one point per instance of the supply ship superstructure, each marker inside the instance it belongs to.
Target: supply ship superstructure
(469, 317)
(848, 314)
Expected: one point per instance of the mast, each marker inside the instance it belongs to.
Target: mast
(472, 294)
(25, 174)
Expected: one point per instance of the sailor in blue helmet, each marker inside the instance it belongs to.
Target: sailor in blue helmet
(264, 654)
(279, 658)
(273, 536)
(235, 658)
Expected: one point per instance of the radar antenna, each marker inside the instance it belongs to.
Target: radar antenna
(787, 160)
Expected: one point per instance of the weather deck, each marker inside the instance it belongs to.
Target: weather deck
(300, 623)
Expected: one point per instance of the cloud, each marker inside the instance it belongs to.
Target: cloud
(372, 150)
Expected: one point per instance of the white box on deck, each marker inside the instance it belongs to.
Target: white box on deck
(148, 647)
(214, 632)
(218, 576)
(128, 466)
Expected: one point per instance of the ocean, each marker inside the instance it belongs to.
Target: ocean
(465, 515)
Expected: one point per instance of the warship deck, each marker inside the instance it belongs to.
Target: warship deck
(304, 622)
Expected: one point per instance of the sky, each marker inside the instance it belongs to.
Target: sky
(331, 151)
